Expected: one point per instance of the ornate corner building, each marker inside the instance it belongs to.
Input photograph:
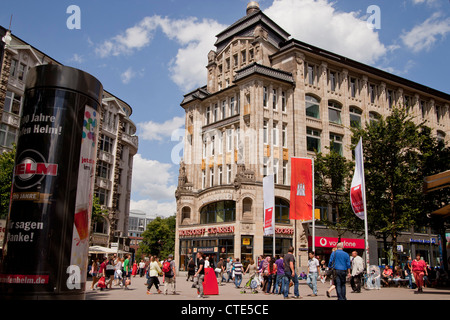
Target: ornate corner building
(117, 143)
(269, 98)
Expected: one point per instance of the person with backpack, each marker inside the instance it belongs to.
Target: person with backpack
(169, 273)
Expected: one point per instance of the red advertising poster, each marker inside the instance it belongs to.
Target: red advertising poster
(301, 206)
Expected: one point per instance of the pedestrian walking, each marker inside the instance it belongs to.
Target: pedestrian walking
(118, 273)
(229, 268)
(94, 272)
(152, 275)
(331, 273)
(357, 266)
(272, 275)
(313, 273)
(341, 262)
(134, 271)
(200, 274)
(238, 271)
(109, 273)
(280, 274)
(141, 268)
(191, 269)
(170, 276)
(419, 269)
(290, 274)
(408, 272)
(219, 271)
(126, 272)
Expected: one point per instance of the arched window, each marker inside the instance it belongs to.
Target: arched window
(355, 117)
(185, 215)
(220, 211)
(374, 117)
(312, 107)
(247, 208)
(334, 112)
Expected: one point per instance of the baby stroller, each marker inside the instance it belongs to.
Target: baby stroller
(252, 284)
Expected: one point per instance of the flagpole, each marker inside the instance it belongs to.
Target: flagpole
(313, 212)
(366, 231)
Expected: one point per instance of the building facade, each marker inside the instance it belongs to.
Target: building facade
(269, 98)
(117, 143)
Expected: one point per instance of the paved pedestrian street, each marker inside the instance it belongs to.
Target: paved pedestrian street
(184, 291)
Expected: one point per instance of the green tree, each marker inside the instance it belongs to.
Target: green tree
(6, 175)
(158, 238)
(395, 159)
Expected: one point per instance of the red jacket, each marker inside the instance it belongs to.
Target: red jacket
(418, 265)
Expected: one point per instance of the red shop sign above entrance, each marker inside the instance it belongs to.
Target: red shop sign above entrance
(327, 242)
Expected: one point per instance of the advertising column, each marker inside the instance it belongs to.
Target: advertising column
(46, 239)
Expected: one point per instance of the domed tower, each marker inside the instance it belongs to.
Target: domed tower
(252, 7)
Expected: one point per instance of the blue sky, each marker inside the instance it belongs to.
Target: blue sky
(150, 53)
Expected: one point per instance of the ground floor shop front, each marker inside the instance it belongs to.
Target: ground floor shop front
(224, 242)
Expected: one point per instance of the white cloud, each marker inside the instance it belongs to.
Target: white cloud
(77, 58)
(196, 38)
(127, 75)
(428, 2)
(152, 207)
(153, 180)
(151, 130)
(425, 35)
(317, 22)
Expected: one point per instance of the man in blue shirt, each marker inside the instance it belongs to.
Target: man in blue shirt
(340, 261)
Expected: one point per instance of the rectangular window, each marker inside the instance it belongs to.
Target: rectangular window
(274, 98)
(238, 104)
(283, 101)
(103, 170)
(275, 171)
(244, 56)
(265, 132)
(204, 147)
(312, 140)
(236, 60)
(229, 140)
(13, 68)
(224, 109)
(211, 177)
(310, 74)
(284, 135)
(285, 173)
(22, 70)
(333, 81)
(106, 143)
(203, 179)
(220, 138)
(102, 196)
(336, 143)
(232, 105)
(208, 112)
(265, 97)
(228, 173)
(372, 93)
(353, 87)
(423, 108)
(275, 134)
(216, 111)
(7, 135)
(390, 98)
(220, 175)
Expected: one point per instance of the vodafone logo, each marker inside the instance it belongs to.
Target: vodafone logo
(32, 168)
(323, 242)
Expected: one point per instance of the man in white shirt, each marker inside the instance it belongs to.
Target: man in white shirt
(357, 272)
(313, 273)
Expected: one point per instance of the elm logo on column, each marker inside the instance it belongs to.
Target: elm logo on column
(32, 168)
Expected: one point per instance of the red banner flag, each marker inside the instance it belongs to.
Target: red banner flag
(301, 206)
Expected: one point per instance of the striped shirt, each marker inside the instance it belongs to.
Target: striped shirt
(237, 268)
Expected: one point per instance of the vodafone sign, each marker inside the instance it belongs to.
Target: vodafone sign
(328, 242)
